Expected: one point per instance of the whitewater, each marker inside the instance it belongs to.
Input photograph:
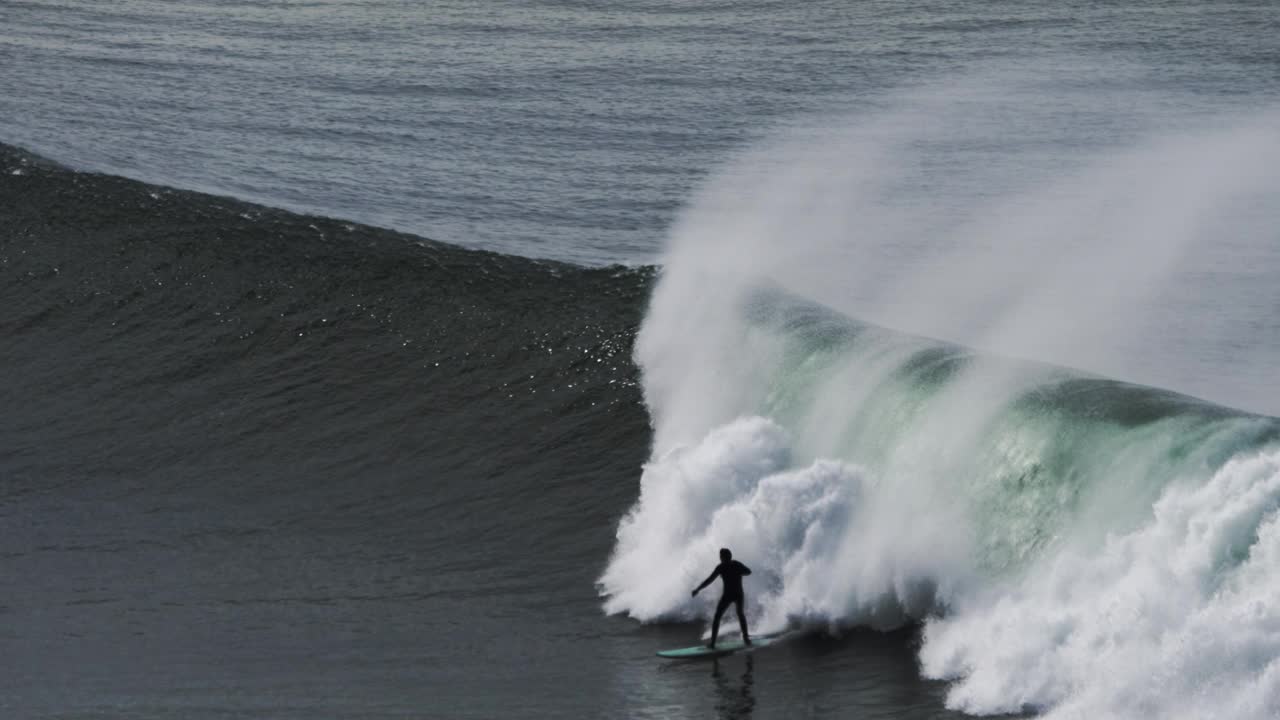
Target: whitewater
(950, 411)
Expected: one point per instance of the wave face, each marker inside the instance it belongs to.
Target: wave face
(1072, 544)
(233, 370)
(250, 460)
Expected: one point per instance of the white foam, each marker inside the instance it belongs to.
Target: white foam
(825, 544)
(1178, 619)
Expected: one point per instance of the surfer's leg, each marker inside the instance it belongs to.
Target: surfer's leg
(742, 620)
(715, 624)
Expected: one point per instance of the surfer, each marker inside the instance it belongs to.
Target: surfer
(731, 572)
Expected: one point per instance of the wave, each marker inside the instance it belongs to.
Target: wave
(912, 470)
(290, 370)
(1063, 536)
(1072, 544)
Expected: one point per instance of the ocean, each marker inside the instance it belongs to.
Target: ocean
(373, 359)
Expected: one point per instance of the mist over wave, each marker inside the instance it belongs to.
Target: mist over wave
(1074, 544)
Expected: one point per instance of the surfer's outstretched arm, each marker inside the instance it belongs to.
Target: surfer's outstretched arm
(745, 570)
(708, 581)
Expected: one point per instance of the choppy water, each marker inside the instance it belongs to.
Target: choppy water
(569, 130)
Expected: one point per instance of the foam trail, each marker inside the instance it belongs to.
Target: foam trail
(1076, 545)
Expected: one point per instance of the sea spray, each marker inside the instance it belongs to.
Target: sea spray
(1074, 544)
(971, 211)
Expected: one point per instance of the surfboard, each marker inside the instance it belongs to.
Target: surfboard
(723, 647)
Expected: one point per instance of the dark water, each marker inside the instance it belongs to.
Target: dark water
(261, 464)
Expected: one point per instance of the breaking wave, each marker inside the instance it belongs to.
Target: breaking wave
(1071, 543)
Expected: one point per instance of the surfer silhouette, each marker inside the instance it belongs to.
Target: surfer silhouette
(731, 572)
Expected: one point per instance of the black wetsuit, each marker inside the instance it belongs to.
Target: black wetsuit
(731, 573)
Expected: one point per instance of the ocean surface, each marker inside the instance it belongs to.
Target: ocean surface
(394, 359)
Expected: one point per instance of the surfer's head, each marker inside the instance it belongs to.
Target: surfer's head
(725, 555)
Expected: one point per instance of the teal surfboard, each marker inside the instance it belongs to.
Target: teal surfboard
(724, 647)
